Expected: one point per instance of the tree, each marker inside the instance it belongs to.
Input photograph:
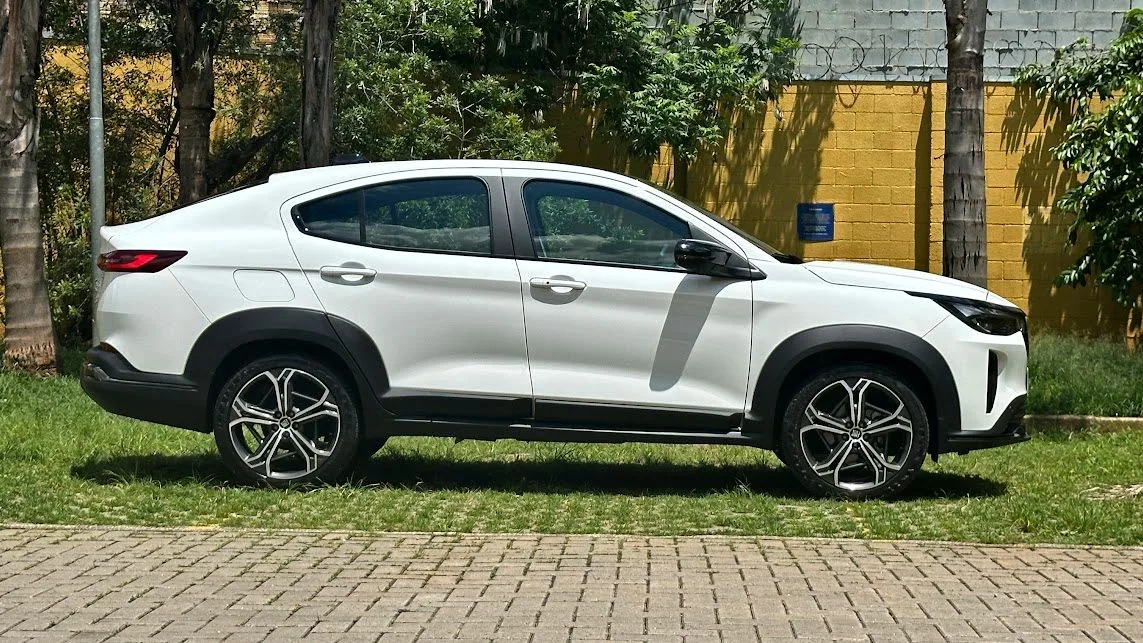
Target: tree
(29, 341)
(1103, 93)
(412, 82)
(965, 239)
(679, 83)
(319, 24)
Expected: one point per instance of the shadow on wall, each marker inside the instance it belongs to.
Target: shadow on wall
(585, 140)
(1032, 126)
(757, 184)
(923, 187)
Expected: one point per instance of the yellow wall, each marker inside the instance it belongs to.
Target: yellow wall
(874, 150)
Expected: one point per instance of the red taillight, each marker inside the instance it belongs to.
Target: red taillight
(138, 260)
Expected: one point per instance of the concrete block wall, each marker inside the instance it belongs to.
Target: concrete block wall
(874, 150)
(904, 40)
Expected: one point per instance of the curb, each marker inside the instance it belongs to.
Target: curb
(1036, 423)
(539, 536)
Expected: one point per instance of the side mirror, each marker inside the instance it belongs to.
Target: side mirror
(714, 259)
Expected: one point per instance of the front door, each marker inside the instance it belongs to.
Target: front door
(415, 260)
(618, 335)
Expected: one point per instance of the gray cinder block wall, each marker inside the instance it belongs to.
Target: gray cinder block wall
(904, 40)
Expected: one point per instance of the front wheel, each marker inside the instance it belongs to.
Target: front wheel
(286, 420)
(856, 431)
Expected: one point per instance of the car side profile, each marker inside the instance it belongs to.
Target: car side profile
(305, 320)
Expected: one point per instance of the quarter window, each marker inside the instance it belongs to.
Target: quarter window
(337, 217)
(585, 223)
(446, 215)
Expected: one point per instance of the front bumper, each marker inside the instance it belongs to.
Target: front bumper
(117, 386)
(1008, 429)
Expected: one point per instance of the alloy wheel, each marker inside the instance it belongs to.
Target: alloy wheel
(284, 423)
(856, 434)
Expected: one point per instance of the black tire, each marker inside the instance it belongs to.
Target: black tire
(898, 434)
(318, 450)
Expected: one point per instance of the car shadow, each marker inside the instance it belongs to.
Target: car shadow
(425, 473)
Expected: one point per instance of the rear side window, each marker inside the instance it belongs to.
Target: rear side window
(443, 215)
(447, 214)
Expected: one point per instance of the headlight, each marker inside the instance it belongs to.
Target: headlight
(986, 318)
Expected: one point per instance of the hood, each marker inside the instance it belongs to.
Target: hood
(867, 275)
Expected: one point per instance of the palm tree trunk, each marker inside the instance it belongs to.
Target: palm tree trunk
(965, 238)
(29, 343)
(319, 24)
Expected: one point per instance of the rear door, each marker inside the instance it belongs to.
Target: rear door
(618, 334)
(422, 262)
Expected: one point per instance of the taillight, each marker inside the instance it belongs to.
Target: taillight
(138, 260)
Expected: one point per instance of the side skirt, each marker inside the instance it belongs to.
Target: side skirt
(466, 430)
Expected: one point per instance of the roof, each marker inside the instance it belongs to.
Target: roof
(318, 177)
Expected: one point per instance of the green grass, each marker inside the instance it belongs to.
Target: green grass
(1074, 375)
(62, 460)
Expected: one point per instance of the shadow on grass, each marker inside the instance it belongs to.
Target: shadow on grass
(554, 476)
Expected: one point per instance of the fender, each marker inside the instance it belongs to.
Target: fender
(763, 418)
(339, 336)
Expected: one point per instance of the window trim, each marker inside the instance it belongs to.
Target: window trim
(535, 256)
(295, 215)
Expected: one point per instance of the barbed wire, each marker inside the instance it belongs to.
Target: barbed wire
(886, 59)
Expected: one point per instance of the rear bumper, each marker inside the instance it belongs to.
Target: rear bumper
(120, 388)
(1008, 429)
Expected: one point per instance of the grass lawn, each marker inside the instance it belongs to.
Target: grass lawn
(1073, 375)
(62, 460)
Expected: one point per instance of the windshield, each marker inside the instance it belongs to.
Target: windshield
(755, 241)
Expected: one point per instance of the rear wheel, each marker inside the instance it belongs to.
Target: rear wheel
(856, 431)
(286, 420)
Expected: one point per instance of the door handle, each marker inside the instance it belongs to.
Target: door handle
(347, 275)
(551, 284)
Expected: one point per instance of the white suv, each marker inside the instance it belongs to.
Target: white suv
(305, 320)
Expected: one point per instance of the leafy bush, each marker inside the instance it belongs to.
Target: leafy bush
(1104, 144)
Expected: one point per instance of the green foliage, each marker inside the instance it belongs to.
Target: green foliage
(135, 118)
(408, 87)
(1082, 376)
(1104, 144)
(678, 84)
(256, 107)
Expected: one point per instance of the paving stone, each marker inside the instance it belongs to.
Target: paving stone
(94, 584)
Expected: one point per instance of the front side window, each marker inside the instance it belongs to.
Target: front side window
(446, 215)
(578, 222)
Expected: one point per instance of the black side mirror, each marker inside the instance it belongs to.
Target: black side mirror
(710, 258)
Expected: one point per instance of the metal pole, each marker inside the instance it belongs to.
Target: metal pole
(95, 136)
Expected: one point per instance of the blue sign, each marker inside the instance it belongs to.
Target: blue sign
(815, 221)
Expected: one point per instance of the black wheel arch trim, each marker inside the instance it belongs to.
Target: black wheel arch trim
(339, 336)
(784, 360)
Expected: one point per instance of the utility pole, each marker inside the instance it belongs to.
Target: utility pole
(95, 138)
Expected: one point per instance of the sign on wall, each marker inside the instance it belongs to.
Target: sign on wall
(815, 221)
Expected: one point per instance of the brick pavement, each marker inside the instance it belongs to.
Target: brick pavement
(65, 583)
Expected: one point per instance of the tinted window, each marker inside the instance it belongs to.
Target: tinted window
(450, 215)
(437, 214)
(586, 223)
(336, 217)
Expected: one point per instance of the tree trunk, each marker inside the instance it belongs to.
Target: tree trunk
(680, 173)
(29, 343)
(965, 238)
(192, 63)
(319, 24)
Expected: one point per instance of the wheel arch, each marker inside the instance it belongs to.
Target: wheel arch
(803, 354)
(240, 337)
